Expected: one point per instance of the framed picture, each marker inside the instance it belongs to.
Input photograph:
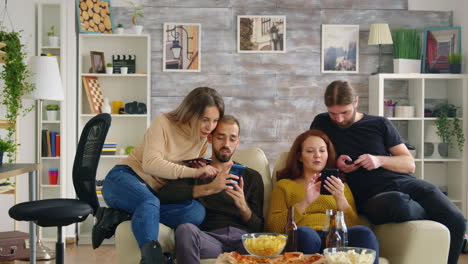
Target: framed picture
(340, 48)
(98, 65)
(94, 16)
(182, 47)
(439, 43)
(261, 34)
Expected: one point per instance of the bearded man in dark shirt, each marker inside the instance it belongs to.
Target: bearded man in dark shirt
(231, 210)
(380, 166)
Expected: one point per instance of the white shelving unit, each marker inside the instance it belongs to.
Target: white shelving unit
(419, 91)
(126, 129)
(50, 13)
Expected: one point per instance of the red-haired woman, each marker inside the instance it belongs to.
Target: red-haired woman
(299, 186)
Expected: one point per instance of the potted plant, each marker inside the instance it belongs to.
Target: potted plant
(449, 127)
(6, 145)
(53, 38)
(406, 50)
(123, 67)
(52, 111)
(136, 13)
(15, 75)
(109, 69)
(455, 60)
(120, 29)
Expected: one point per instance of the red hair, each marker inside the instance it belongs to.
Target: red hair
(294, 167)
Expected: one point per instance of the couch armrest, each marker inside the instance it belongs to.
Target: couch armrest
(127, 248)
(421, 241)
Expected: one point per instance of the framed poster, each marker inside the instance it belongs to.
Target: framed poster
(439, 43)
(261, 34)
(181, 47)
(94, 16)
(340, 48)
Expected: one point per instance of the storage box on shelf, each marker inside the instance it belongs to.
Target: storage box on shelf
(424, 92)
(127, 129)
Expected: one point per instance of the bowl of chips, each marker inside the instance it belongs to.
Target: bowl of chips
(264, 244)
(346, 255)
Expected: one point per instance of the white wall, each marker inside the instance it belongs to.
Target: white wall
(460, 18)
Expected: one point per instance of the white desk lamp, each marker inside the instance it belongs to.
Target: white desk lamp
(432, 137)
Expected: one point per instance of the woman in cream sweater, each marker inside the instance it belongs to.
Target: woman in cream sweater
(132, 185)
(299, 186)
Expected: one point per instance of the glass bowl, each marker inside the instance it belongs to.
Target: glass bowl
(348, 255)
(264, 245)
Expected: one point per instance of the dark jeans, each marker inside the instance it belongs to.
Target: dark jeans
(124, 190)
(193, 244)
(415, 199)
(310, 241)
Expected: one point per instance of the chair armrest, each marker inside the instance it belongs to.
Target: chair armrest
(421, 241)
(127, 248)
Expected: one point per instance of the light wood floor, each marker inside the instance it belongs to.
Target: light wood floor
(106, 255)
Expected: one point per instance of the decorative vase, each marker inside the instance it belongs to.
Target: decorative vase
(109, 70)
(52, 115)
(119, 30)
(123, 70)
(138, 29)
(53, 41)
(106, 108)
(455, 68)
(406, 66)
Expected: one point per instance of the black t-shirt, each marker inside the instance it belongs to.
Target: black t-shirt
(371, 135)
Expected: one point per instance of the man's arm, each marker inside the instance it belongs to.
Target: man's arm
(401, 160)
(254, 200)
(176, 191)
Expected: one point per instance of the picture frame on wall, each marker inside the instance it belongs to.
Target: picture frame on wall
(439, 43)
(340, 49)
(181, 47)
(94, 17)
(261, 34)
(98, 65)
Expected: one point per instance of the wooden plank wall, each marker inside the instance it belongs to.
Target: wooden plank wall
(275, 96)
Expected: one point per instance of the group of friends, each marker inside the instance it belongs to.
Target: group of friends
(210, 209)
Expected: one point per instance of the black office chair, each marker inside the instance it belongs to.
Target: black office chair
(63, 212)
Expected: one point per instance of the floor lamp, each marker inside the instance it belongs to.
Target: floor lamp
(45, 77)
(379, 34)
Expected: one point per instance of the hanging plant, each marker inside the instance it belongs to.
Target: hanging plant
(449, 127)
(14, 75)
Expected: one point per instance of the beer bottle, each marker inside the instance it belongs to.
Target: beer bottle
(333, 238)
(341, 228)
(291, 231)
(326, 225)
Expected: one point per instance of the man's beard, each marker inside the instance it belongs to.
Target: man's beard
(348, 122)
(223, 157)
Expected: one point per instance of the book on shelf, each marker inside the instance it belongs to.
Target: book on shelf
(50, 144)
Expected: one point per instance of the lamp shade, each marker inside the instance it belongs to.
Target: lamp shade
(45, 76)
(380, 34)
(431, 134)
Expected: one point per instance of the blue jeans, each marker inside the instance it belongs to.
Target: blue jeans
(310, 241)
(124, 190)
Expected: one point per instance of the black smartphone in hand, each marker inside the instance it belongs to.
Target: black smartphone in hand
(349, 162)
(237, 170)
(206, 160)
(325, 174)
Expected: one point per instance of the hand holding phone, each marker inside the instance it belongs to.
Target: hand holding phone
(325, 174)
(195, 163)
(353, 159)
(237, 170)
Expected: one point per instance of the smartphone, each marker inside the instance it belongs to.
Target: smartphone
(325, 174)
(349, 162)
(206, 160)
(237, 170)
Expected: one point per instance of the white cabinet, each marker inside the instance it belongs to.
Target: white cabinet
(126, 129)
(49, 22)
(422, 92)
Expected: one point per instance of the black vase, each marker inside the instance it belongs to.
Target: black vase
(455, 68)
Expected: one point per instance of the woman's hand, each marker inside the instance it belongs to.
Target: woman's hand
(336, 187)
(312, 193)
(207, 171)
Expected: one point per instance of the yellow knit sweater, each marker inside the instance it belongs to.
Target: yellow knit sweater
(289, 193)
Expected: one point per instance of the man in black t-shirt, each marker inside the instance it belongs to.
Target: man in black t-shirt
(379, 168)
(230, 210)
